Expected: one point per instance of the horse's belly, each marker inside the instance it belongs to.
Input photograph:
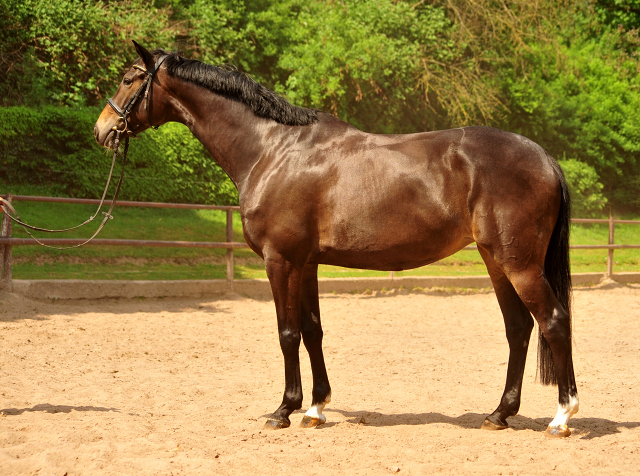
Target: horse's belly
(379, 261)
(393, 247)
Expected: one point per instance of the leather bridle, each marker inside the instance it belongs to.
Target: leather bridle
(124, 113)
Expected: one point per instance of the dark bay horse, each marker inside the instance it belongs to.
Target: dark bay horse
(315, 190)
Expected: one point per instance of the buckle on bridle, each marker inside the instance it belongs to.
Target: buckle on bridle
(146, 85)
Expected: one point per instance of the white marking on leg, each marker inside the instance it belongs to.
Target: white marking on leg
(565, 412)
(315, 411)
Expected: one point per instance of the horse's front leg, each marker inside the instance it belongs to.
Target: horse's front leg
(286, 279)
(312, 338)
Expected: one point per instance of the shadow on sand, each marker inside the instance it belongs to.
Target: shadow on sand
(586, 428)
(48, 408)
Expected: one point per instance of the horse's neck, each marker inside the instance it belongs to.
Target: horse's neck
(231, 133)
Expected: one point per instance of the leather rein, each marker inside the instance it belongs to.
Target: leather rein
(123, 114)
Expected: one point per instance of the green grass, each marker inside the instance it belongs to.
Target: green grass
(146, 263)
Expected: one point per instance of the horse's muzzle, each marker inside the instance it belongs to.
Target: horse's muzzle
(104, 136)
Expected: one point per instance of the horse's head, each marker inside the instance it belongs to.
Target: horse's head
(137, 104)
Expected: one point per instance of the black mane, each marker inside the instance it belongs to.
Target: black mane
(239, 86)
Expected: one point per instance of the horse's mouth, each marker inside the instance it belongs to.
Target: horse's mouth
(108, 141)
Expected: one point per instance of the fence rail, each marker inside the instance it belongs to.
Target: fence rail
(7, 241)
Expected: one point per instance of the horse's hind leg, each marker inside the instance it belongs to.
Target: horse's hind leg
(312, 338)
(555, 324)
(286, 280)
(518, 324)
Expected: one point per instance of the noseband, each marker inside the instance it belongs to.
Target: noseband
(126, 110)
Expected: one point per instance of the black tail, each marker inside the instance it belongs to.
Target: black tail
(558, 272)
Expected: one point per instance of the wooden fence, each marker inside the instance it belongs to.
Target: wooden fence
(7, 241)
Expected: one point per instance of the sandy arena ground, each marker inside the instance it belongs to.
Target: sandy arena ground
(166, 387)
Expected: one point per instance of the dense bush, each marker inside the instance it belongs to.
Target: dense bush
(579, 103)
(55, 146)
(586, 190)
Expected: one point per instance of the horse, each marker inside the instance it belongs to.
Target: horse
(315, 190)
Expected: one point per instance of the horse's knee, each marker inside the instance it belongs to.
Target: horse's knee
(311, 328)
(289, 340)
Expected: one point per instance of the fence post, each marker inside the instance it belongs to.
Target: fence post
(230, 250)
(610, 250)
(5, 283)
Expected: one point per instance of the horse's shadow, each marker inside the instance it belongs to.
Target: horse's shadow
(586, 428)
(48, 408)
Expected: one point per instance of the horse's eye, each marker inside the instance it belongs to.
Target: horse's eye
(127, 81)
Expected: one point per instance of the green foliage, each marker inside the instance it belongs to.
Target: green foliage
(72, 51)
(220, 28)
(619, 13)
(359, 59)
(51, 145)
(56, 146)
(493, 40)
(586, 191)
(582, 101)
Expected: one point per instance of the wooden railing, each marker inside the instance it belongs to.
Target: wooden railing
(7, 241)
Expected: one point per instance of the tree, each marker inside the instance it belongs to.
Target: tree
(72, 51)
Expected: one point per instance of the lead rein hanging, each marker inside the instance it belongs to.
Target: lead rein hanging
(10, 211)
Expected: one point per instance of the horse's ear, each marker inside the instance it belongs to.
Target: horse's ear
(147, 57)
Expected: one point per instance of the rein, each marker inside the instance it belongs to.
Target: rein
(123, 114)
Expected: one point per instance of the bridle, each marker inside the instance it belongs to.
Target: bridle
(123, 114)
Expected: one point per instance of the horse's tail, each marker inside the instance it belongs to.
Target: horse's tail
(558, 272)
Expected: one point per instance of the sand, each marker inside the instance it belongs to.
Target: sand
(183, 387)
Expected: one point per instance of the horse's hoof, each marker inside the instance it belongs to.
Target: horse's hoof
(561, 431)
(311, 422)
(489, 425)
(272, 424)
